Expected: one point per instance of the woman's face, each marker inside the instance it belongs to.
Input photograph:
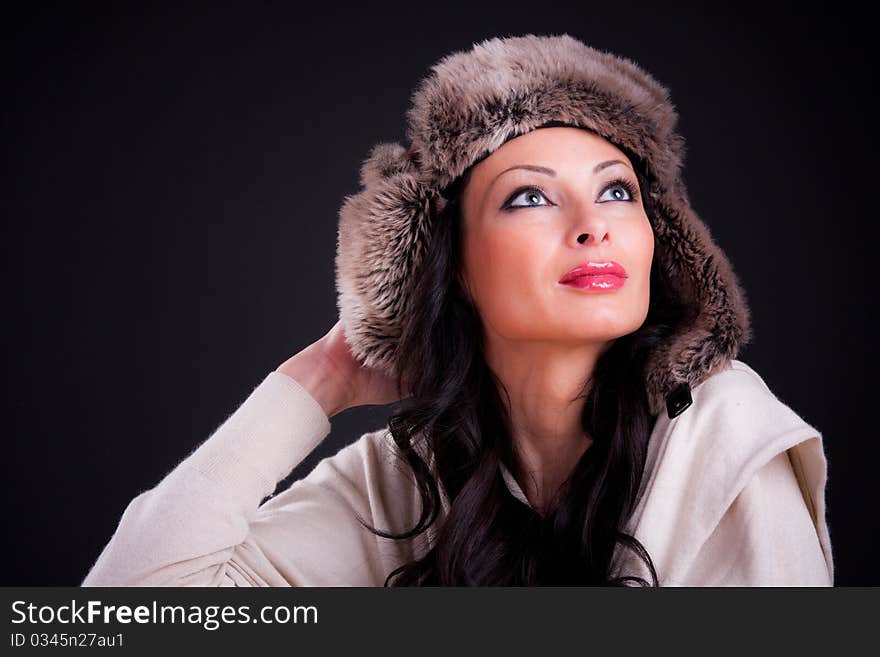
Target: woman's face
(521, 229)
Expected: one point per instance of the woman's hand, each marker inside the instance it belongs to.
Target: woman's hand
(330, 373)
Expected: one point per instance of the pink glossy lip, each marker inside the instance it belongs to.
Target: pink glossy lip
(597, 282)
(610, 271)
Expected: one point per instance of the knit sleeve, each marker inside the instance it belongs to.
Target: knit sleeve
(768, 536)
(203, 524)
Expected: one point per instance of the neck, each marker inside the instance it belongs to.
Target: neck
(546, 383)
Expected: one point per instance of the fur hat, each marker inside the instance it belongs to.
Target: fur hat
(470, 104)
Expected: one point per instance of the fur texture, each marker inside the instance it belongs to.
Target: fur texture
(472, 103)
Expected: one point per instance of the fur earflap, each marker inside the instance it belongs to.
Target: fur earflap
(472, 103)
(381, 241)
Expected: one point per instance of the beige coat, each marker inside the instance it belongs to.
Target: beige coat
(734, 495)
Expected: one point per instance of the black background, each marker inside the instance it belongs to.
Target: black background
(171, 188)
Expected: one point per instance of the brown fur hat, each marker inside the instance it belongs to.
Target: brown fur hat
(470, 104)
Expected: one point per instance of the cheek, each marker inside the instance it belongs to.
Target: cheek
(504, 271)
(642, 250)
(506, 256)
(645, 244)
(637, 243)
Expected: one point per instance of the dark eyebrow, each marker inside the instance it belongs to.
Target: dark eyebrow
(551, 172)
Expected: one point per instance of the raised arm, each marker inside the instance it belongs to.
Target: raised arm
(202, 524)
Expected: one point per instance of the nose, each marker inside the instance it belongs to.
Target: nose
(583, 238)
(588, 228)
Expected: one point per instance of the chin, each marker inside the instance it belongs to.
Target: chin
(590, 335)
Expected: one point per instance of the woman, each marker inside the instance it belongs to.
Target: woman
(529, 278)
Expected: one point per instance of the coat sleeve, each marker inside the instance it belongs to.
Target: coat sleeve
(768, 536)
(203, 524)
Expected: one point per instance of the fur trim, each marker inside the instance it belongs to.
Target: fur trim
(473, 102)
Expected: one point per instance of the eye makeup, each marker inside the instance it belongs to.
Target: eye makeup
(630, 187)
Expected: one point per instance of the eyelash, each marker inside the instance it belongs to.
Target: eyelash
(623, 182)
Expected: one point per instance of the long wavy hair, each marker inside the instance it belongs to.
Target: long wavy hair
(489, 538)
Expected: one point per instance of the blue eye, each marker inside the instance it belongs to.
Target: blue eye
(619, 189)
(530, 193)
(622, 190)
